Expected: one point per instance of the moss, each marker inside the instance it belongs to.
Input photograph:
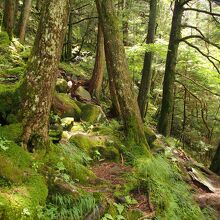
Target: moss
(11, 132)
(170, 195)
(109, 153)
(73, 160)
(16, 154)
(9, 171)
(91, 113)
(82, 141)
(27, 189)
(9, 99)
(61, 86)
(150, 135)
(21, 202)
(64, 106)
(4, 39)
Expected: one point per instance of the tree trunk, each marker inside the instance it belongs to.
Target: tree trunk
(95, 84)
(119, 74)
(70, 37)
(26, 8)
(215, 166)
(125, 24)
(38, 5)
(164, 124)
(9, 17)
(38, 86)
(143, 96)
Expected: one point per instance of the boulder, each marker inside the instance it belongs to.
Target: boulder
(55, 132)
(65, 106)
(83, 94)
(62, 86)
(92, 113)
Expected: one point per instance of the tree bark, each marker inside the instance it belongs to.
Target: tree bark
(38, 86)
(144, 92)
(38, 5)
(215, 165)
(164, 124)
(119, 74)
(95, 84)
(25, 12)
(9, 17)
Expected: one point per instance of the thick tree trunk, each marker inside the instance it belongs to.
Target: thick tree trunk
(9, 17)
(38, 86)
(215, 166)
(95, 84)
(26, 8)
(164, 124)
(144, 92)
(119, 74)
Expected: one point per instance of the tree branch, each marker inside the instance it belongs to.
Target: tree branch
(202, 11)
(205, 55)
(202, 38)
(198, 84)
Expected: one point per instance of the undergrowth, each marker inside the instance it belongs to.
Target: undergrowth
(170, 195)
(66, 207)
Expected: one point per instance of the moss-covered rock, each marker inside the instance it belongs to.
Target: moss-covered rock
(64, 106)
(84, 142)
(92, 113)
(62, 86)
(11, 132)
(27, 189)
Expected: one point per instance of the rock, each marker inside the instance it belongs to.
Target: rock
(92, 113)
(77, 127)
(67, 123)
(64, 106)
(66, 135)
(83, 94)
(62, 86)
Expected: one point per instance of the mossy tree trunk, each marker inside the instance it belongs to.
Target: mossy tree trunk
(215, 165)
(164, 124)
(95, 84)
(25, 12)
(9, 17)
(38, 86)
(144, 92)
(119, 74)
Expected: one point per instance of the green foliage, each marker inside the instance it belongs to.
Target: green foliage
(169, 193)
(66, 207)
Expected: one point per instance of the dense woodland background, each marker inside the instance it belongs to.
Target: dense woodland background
(110, 109)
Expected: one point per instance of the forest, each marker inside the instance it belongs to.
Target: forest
(109, 110)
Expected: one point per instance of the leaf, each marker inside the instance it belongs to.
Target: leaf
(119, 207)
(120, 217)
(107, 216)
